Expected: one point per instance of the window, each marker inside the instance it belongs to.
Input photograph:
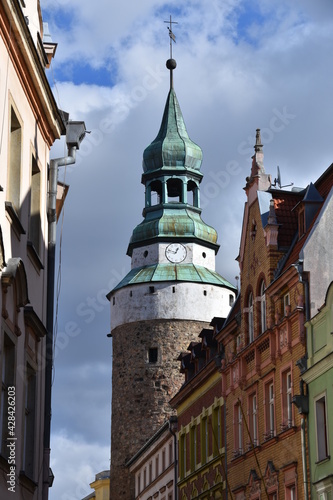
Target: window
(29, 421)
(35, 220)
(238, 430)
(170, 453)
(182, 455)
(217, 431)
(269, 410)
(138, 483)
(163, 459)
(286, 304)
(157, 466)
(204, 440)
(7, 381)
(321, 428)
(291, 493)
(231, 299)
(286, 400)
(150, 472)
(263, 307)
(14, 171)
(253, 419)
(193, 437)
(153, 355)
(250, 318)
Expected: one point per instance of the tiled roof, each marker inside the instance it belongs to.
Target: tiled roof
(323, 185)
(284, 202)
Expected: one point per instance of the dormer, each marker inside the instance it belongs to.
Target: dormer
(307, 209)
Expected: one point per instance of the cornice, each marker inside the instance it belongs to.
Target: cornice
(25, 59)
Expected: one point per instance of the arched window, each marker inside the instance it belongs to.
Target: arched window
(250, 318)
(175, 190)
(154, 193)
(263, 316)
(193, 190)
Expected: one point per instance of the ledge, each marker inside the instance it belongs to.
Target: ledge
(27, 482)
(14, 218)
(34, 257)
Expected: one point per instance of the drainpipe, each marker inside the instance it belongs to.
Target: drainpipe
(301, 401)
(75, 132)
(173, 426)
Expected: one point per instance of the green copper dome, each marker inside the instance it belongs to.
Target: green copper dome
(182, 223)
(173, 272)
(172, 147)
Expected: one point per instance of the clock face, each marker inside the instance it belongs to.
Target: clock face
(175, 252)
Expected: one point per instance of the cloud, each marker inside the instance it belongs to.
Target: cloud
(240, 66)
(74, 463)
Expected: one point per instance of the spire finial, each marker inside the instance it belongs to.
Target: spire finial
(258, 145)
(171, 63)
(171, 34)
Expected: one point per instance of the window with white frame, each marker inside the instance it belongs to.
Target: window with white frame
(287, 406)
(253, 419)
(263, 316)
(286, 303)
(269, 410)
(321, 427)
(250, 318)
(291, 492)
(238, 430)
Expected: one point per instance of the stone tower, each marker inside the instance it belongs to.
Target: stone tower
(171, 293)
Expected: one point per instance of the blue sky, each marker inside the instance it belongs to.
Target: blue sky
(240, 66)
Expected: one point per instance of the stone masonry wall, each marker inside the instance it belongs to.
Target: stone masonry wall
(141, 391)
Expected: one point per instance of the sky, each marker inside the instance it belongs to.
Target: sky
(241, 65)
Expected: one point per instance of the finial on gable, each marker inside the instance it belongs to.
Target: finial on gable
(258, 145)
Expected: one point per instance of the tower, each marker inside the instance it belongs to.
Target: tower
(171, 293)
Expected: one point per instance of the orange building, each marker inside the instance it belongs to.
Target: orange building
(264, 343)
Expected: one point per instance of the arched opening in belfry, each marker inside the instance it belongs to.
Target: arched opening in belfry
(192, 194)
(175, 190)
(155, 192)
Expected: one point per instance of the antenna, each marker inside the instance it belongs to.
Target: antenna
(277, 180)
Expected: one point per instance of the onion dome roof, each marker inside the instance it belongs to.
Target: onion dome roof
(172, 147)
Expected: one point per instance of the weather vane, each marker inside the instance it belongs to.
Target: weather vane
(171, 34)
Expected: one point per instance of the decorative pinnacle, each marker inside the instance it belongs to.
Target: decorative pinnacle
(258, 145)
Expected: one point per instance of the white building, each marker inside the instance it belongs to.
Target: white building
(30, 122)
(154, 466)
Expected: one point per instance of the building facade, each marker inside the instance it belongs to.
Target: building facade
(201, 417)
(30, 123)
(154, 466)
(168, 297)
(264, 340)
(318, 372)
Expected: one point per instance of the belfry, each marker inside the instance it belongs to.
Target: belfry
(170, 294)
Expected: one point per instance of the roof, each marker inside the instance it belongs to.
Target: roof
(288, 218)
(173, 272)
(172, 146)
(171, 222)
